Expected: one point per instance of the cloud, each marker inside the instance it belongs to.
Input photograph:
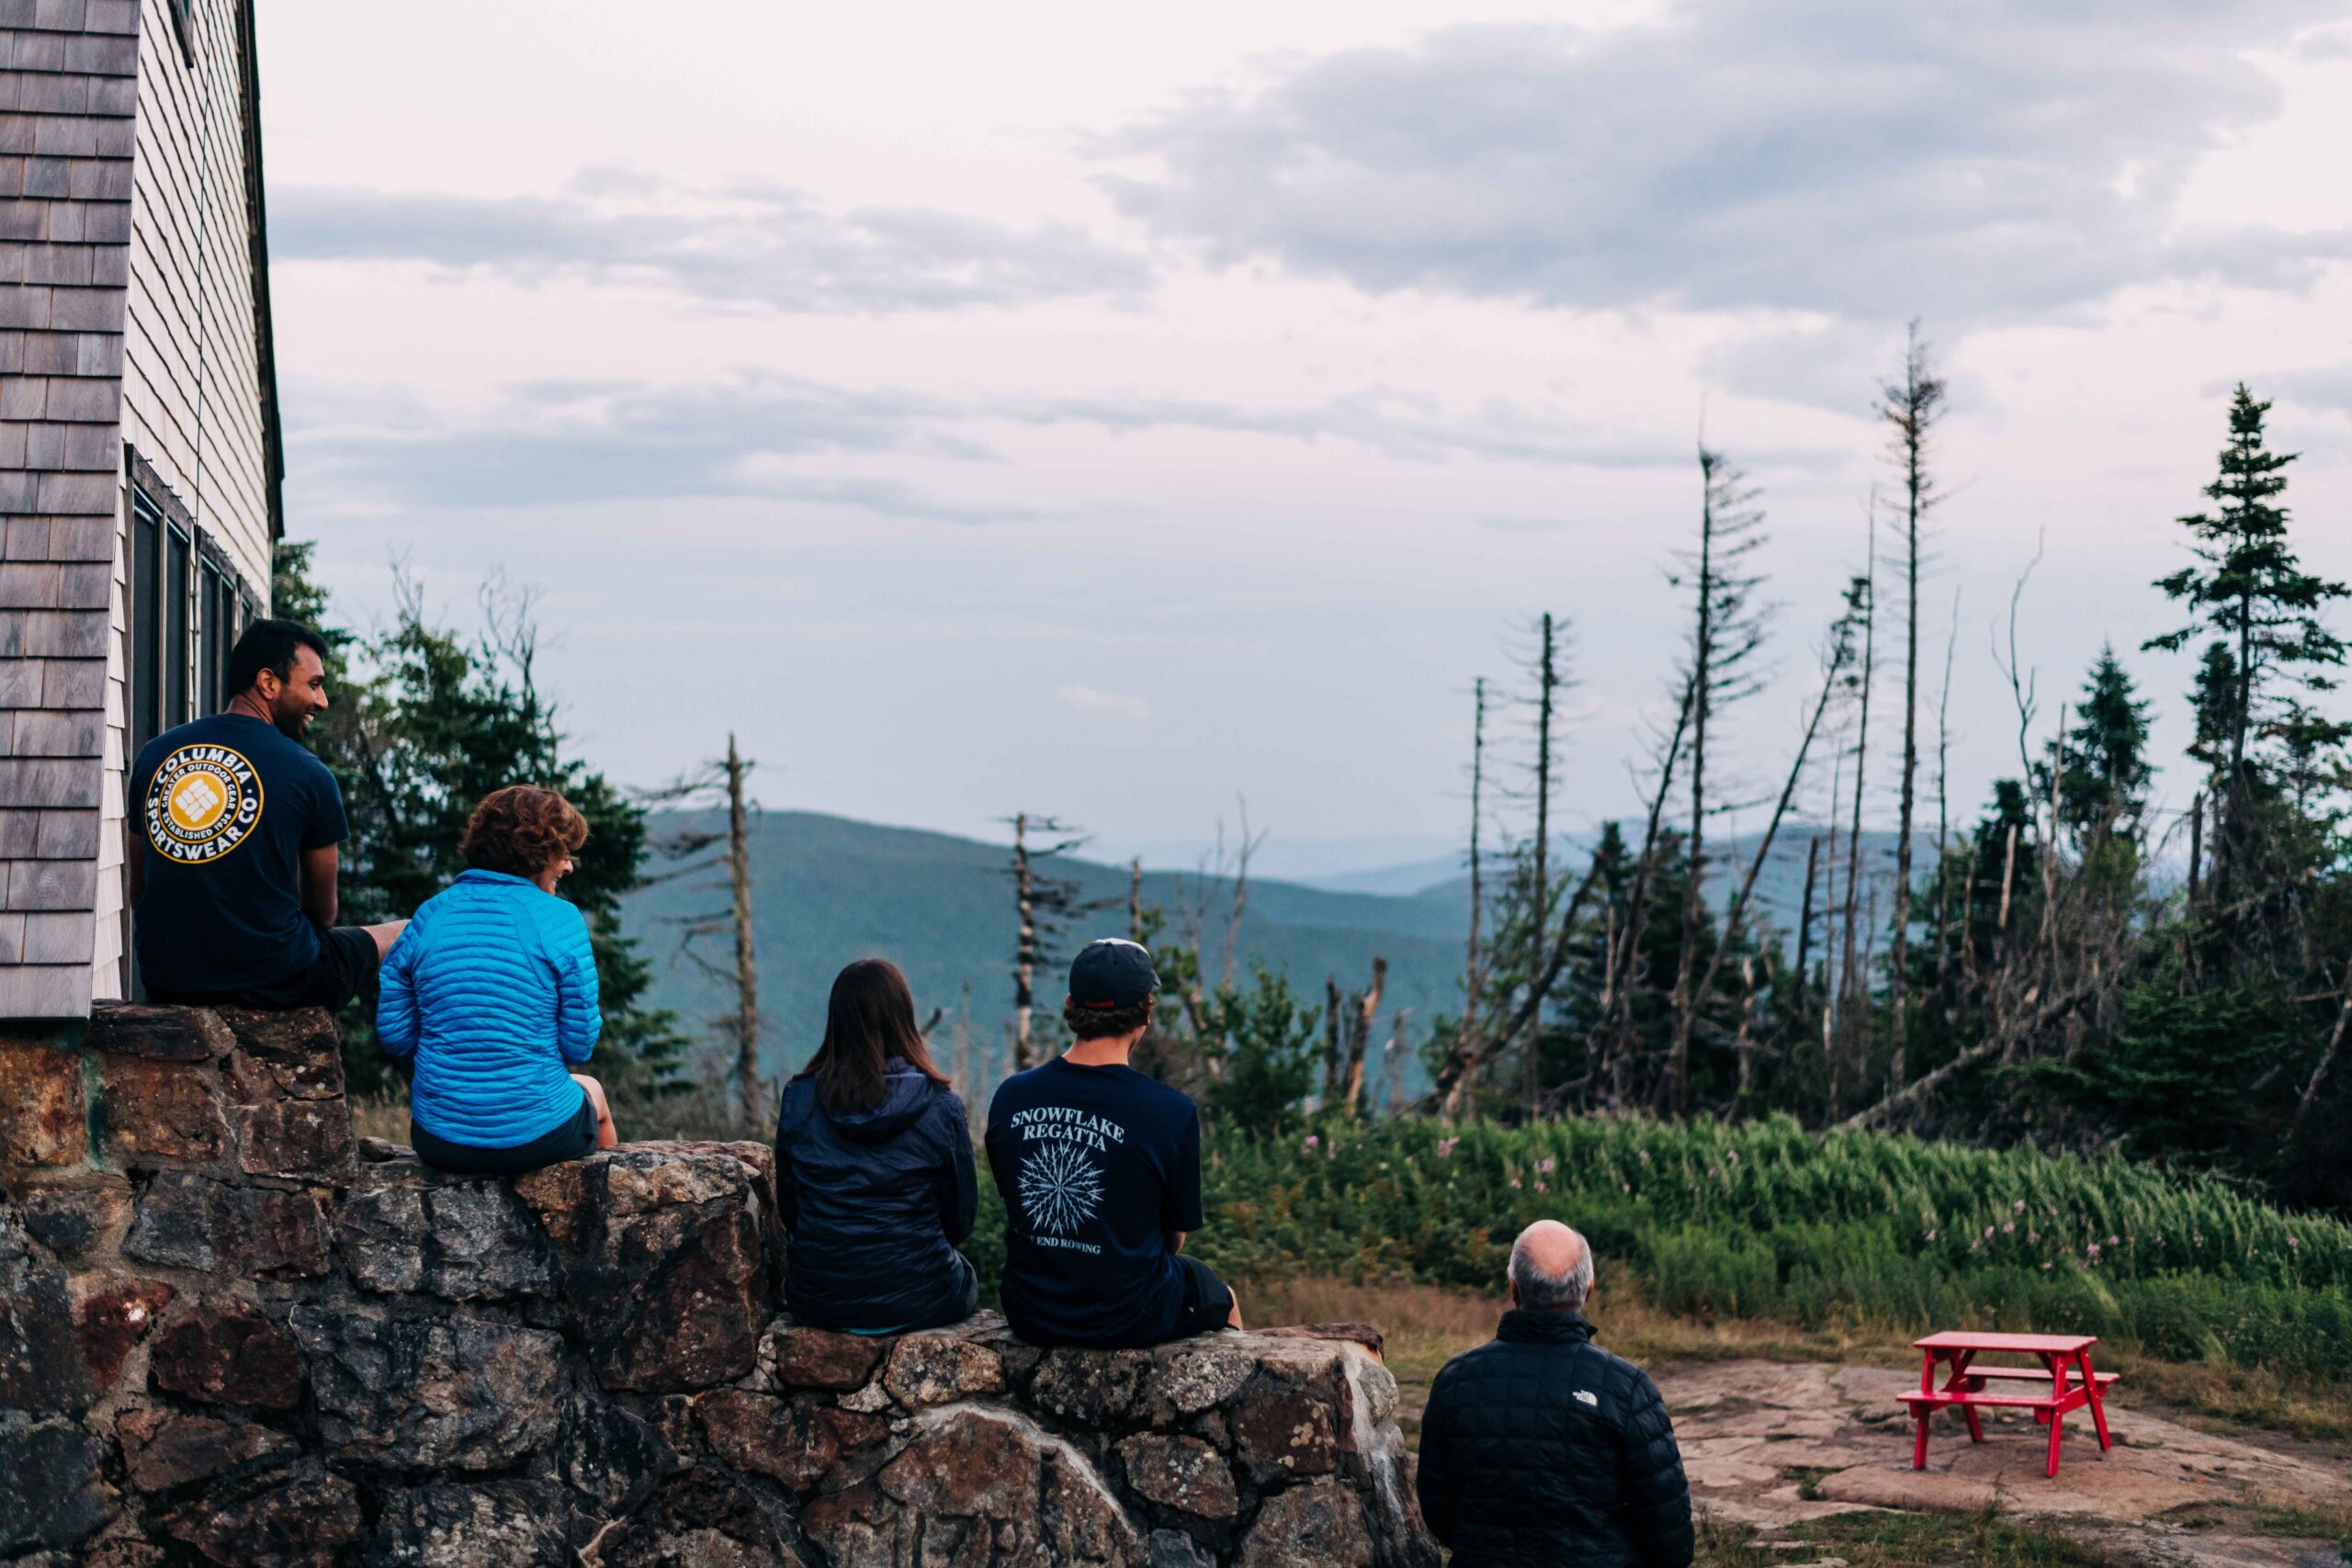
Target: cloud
(555, 443)
(749, 243)
(753, 432)
(2329, 389)
(1086, 699)
(1409, 427)
(1861, 160)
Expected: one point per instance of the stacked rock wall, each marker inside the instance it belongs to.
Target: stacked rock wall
(224, 1340)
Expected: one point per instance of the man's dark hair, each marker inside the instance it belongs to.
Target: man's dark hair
(1108, 1023)
(270, 645)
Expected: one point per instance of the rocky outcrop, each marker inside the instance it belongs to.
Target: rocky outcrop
(225, 1340)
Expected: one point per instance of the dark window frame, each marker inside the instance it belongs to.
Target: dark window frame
(188, 604)
(184, 26)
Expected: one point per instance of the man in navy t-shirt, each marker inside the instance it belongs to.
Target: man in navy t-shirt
(234, 826)
(1101, 1170)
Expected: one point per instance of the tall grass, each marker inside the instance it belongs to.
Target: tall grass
(1765, 1220)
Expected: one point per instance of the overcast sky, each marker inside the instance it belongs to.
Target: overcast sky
(1106, 409)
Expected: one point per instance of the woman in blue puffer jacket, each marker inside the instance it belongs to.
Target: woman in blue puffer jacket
(874, 1177)
(491, 994)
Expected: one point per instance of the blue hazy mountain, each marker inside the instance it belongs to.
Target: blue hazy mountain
(827, 890)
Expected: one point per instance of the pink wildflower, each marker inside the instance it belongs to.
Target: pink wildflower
(1313, 1140)
(2092, 1250)
(1514, 1183)
(2009, 1228)
(1546, 1167)
(2018, 1207)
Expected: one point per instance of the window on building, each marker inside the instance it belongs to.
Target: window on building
(179, 549)
(188, 605)
(146, 620)
(183, 28)
(217, 613)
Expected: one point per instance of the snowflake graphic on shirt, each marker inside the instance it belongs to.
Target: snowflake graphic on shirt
(1060, 1188)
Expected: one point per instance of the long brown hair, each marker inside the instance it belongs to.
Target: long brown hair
(870, 1018)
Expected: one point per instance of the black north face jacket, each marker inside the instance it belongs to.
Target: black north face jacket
(1541, 1450)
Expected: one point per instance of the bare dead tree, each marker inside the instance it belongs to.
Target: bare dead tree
(1805, 916)
(1248, 847)
(1043, 904)
(1912, 407)
(1853, 1007)
(748, 1095)
(1366, 1007)
(1613, 1034)
(1332, 1035)
(721, 784)
(1473, 979)
(1547, 685)
(1135, 900)
(1727, 629)
(1943, 799)
(1835, 658)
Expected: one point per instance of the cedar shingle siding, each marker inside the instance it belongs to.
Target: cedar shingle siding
(133, 342)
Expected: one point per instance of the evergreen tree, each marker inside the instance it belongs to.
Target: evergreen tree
(2103, 761)
(2250, 594)
(423, 725)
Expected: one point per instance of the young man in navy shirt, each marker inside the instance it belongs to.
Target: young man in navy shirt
(1101, 1170)
(234, 864)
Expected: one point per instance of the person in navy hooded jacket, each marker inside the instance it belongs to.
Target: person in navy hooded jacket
(490, 994)
(874, 1174)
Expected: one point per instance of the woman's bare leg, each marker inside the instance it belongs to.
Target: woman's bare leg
(1234, 1317)
(606, 1136)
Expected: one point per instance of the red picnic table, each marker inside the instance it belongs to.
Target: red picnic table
(2066, 1367)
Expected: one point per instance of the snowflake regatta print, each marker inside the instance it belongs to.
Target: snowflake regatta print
(1060, 1188)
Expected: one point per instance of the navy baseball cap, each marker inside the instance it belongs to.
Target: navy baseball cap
(1111, 973)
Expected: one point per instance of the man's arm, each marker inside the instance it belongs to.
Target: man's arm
(1657, 1497)
(1433, 1481)
(1180, 1204)
(320, 867)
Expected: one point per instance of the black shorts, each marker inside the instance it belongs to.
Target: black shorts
(575, 1139)
(345, 968)
(1208, 1301)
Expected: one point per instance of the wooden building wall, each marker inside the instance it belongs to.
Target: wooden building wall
(134, 348)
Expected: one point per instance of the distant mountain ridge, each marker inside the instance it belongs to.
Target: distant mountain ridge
(829, 889)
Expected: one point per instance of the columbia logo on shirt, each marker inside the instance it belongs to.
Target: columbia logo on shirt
(202, 802)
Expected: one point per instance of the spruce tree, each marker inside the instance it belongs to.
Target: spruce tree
(2249, 594)
(2103, 760)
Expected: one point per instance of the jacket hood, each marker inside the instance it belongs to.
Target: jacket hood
(905, 1099)
(1522, 1326)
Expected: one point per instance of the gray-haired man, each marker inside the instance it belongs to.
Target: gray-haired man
(1541, 1447)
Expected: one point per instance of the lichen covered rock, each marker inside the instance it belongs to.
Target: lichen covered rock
(456, 1390)
(224, 1342)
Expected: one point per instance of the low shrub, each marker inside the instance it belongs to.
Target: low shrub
(1768, 1221)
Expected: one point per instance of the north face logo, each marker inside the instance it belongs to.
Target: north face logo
(1591, 1399)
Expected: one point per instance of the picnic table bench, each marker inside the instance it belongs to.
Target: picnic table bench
(2067, 1380)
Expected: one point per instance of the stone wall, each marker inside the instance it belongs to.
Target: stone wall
(225, 1339)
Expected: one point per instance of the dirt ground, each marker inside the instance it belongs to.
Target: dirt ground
(1776, 1446)
(1798, 1453)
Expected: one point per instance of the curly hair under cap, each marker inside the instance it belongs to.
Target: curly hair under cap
(1108, 1023)
(521, 830)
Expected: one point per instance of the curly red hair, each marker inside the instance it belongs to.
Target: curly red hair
(521, 830)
